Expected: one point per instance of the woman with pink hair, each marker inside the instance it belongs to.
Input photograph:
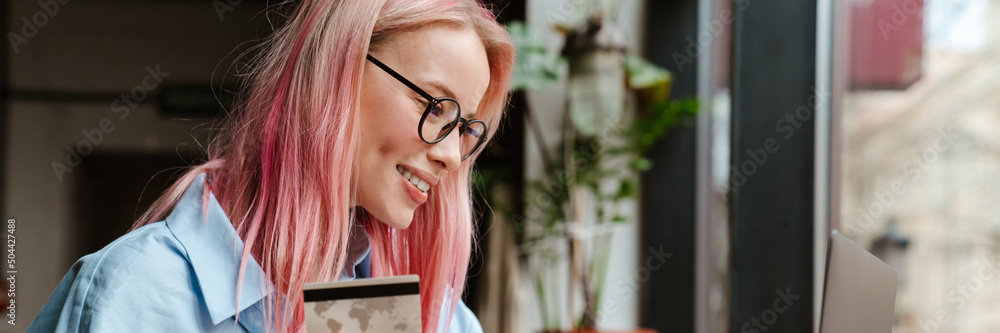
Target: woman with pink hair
(349, 155)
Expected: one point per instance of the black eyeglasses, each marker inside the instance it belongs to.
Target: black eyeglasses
(441, 116)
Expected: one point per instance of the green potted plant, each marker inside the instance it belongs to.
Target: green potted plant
(603, 150)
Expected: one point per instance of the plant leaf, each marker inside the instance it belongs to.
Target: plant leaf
(536, 68)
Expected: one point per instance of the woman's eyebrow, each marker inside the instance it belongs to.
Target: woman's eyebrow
(439, 86)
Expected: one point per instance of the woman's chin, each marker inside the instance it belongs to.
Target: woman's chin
(401, 221)
(400, 226)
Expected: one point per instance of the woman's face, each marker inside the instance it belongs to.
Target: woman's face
(443, 61)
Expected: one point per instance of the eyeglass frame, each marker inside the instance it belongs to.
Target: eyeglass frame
(431, 102)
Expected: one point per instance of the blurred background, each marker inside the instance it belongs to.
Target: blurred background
(713, 145)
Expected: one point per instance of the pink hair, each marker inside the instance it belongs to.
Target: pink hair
(285, 170)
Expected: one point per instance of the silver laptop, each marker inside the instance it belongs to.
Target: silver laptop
(860, 291)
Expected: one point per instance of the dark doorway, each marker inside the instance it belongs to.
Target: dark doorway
(114, 189)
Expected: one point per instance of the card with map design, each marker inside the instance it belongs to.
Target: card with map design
(389, 304)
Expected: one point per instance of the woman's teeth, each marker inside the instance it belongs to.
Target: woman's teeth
(420, 183)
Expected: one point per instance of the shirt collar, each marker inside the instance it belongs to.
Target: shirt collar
(214, 251)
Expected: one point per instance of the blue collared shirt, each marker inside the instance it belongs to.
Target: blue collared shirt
(179, 275)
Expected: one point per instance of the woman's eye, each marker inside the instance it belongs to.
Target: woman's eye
(437, 111)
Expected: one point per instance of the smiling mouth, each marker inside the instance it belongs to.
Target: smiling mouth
(416, 181)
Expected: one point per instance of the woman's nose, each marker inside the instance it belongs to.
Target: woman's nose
(448, 150)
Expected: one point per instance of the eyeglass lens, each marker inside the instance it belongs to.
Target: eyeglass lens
(439, 120)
